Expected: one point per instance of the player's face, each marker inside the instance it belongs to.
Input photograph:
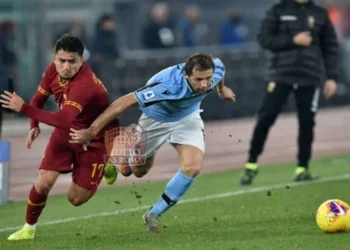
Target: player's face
(200, 80)
(67, 63)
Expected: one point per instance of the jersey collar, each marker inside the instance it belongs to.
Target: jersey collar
(189, 85)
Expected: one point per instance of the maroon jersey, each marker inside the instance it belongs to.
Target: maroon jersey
(81, 100)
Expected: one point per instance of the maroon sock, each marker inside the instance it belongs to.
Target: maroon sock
(35, 205)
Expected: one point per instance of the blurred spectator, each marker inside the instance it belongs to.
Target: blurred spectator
(159, 32)
(234, 30)
(76, 27)
(8, 57)
(192, 30)
(105, 43)
(105, 48)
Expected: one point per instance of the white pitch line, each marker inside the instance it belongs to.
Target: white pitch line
(191, 200)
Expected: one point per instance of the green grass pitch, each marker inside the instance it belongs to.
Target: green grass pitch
(216, 214)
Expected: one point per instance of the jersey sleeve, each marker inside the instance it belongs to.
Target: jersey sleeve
(75, 103)
(44, 86)
(219, 71)
(79, 97)
(161, 87)
(42, 93)
(153, 93)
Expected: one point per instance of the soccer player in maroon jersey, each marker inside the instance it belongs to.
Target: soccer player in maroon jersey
(81, 97)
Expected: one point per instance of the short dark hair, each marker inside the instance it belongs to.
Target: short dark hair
(105, 18)
(69, 43)
(200, 61)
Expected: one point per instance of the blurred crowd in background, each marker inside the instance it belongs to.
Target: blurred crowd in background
(131, 29)
(163, 30)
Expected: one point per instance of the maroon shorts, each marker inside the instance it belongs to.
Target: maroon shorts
(86, 166)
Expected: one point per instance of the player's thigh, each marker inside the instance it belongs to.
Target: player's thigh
(189, 131)
(88, 169)
(152, 135)
(87, 175)
(58, 156)
(188, 138)
(57, 159)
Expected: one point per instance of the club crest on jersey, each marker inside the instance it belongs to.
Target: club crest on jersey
(148, 95)
(311, 21)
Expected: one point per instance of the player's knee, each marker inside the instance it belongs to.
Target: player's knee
(76, 200)
(139, 173)
(191, 169)
(44, 182)
(43, 187)
(141, 170)
(77, 195)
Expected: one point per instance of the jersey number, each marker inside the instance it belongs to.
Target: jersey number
(97, 168)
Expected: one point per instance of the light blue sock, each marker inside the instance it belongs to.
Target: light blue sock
(174, 190)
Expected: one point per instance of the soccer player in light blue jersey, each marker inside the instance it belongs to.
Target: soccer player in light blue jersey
(170, 104)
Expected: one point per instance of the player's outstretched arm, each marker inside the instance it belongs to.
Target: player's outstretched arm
(61, 119)
(110, 114)
(38, 100)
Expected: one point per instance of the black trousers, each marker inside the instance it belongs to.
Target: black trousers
(306, 99)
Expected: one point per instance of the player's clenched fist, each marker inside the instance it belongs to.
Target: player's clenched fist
(82, 136)
(11, 101)
(227, 94)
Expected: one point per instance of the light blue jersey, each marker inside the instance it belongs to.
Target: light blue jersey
(168, 96)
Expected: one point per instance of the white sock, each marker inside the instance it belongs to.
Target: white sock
(31, 226)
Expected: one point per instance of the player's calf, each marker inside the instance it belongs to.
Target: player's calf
(191, 162)
(173, 192)
(36, 203)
